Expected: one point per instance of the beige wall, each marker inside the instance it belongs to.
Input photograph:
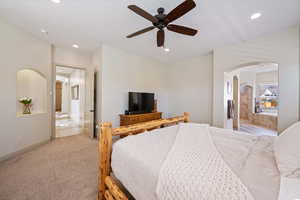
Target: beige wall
(190, 88)
(267, 77)
(72, 57)
(247, 77)
(20, 50)
(123, 72)
(282, 48)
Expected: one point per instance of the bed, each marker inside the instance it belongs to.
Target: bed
(138, 159)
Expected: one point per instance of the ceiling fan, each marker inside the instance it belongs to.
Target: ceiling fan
(162, 21)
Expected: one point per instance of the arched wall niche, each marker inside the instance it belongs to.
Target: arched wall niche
(32, 84)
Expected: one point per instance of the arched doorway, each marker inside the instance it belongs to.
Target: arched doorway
(255, 99)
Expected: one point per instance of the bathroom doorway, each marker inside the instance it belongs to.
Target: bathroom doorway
(253, 99)
(69, 101)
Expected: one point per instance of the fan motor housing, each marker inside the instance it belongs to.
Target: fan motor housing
(161, 19)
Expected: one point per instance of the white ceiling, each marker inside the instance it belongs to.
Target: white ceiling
(64, 70)
(89, 23)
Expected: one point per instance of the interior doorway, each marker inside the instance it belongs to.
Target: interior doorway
(69, 101)
(254, 95)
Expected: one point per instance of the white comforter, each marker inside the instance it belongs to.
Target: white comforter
(137, 160)
(194, 169)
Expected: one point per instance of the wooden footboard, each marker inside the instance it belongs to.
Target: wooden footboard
(108, 188)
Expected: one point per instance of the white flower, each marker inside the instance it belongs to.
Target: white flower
(25, 100)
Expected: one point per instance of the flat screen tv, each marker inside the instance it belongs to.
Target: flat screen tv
(140, 102)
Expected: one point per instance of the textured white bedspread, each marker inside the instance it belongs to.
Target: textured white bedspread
(195, 169)
(137, 160)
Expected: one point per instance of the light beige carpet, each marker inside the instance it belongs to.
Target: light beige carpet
(65, 169)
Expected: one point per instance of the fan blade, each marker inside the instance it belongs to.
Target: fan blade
(182, 29)
(143, 13)
(160, 38)
(141, 31)
(180, 10)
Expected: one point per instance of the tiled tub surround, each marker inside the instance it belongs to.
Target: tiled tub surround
(266, 120)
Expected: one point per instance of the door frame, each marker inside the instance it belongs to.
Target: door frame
(53, 92)
(236, 102)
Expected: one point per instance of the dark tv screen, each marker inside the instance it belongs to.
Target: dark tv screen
(141, 102)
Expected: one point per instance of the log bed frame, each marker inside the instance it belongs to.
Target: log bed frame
(108, 189)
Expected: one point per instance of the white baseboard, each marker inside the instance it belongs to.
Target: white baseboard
(17, 153)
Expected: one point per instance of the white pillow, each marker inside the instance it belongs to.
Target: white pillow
(287, 151)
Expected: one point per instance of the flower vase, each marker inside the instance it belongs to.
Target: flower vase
(26, 109)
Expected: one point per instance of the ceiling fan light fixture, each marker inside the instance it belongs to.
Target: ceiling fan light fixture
(162, 21)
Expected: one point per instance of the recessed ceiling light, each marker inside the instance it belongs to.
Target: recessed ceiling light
(56, 1)
(255, 16)
(44, 31)
(166, 49)
(75, 46)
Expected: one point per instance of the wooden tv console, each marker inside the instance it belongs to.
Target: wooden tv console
(138, 118)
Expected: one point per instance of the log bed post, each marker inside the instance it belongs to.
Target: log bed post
(186, 117)
(105, 148)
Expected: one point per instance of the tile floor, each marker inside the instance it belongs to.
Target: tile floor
(65, 126)
(256, 130)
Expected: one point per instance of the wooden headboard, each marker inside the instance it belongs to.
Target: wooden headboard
(108, 189)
